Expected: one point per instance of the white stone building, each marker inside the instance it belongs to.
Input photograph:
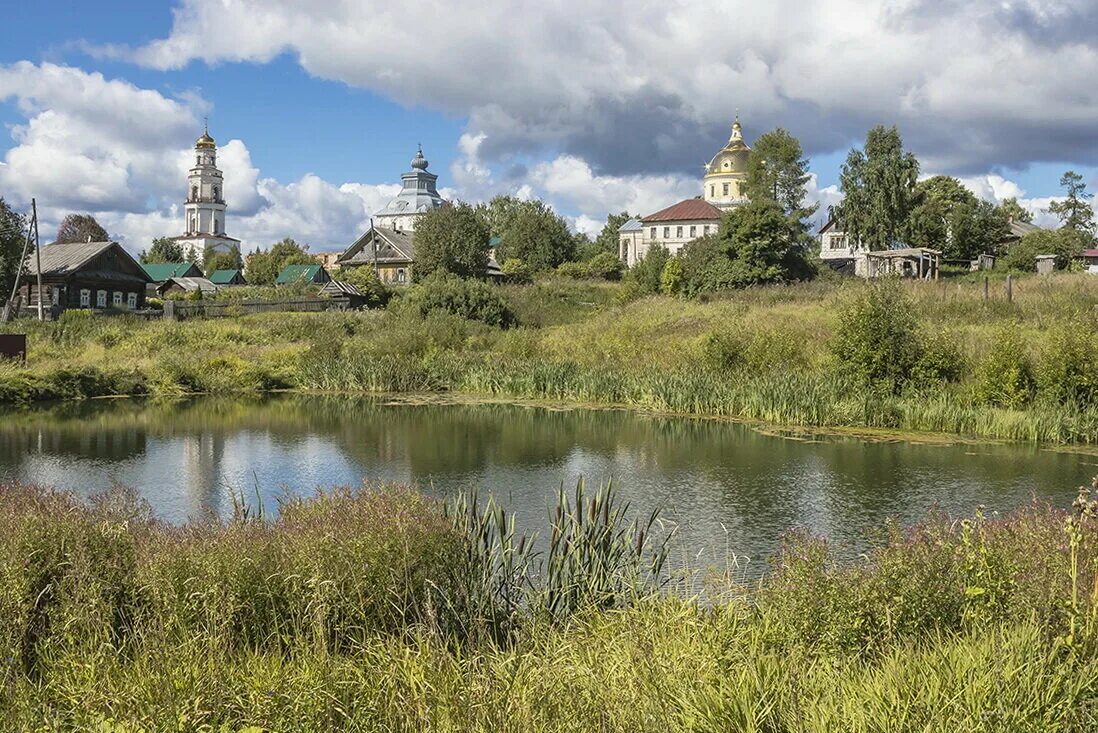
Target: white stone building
(204, 209)
(418, 195)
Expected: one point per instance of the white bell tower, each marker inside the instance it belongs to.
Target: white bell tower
(204, 210)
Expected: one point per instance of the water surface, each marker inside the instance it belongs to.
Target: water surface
(729, 487)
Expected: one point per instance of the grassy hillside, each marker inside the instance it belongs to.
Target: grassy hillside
(1023, 370)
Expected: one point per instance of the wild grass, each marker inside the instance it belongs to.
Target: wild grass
(766, 354)
(352, 610)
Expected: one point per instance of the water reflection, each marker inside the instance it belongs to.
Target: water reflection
(725, 484)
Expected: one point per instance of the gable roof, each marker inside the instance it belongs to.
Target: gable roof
(1022, 228)
(688, 210)
(225, 277)
(338, 287)
(393, 247)
(161, 271)
(190, 284)
(297, 273)
(65, 258)
(633, 225)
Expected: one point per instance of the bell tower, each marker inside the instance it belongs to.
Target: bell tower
(205, 206)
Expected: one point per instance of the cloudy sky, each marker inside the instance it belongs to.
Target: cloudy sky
(593, 105)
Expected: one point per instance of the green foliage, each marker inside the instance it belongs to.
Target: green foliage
(12, 239)
(1067, 371)
(1066, 244)
(646, 272)
(608, 240)
(1005, 377)
(877, 340)
(263, 267)
(1074, 212)
(949, 217)
(451, 239)
(366, 280)
(163, 249)
(1009, 208)
(778, 171)
(214, 261)
(530, 231)
(516, 272)
(80, 228)
(671, 277)
(603, 266)
(443, 292)
(878, 185)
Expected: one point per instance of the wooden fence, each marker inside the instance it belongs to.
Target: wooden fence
(180, 310)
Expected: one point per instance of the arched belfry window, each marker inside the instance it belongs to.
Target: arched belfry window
(217, 193)
(194, 193)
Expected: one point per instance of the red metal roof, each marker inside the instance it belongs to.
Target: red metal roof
(1090, 253)
(688, 210)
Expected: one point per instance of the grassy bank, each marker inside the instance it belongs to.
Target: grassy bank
(377, 610)
(1025, 370)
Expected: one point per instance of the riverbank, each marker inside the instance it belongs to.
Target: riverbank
(1009, 371)
(377, 610)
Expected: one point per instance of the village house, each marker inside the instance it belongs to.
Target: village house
(97, 275)
(313, 274)
(186, 285)
(161, 272)
(224, 278)
(1090, 260)
(841, 253)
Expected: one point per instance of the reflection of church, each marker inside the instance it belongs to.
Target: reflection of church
(724, 186)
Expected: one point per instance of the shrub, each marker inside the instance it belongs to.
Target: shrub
(446, 293)
(671, 277)
(941, 359)
(646, 273)
(878, 335)
(1066, 244)
(517, 272)
(1005, 377)
(1068, 368)
(604, 265)
(367, 281)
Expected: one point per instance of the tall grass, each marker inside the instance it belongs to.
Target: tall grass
(352, 611)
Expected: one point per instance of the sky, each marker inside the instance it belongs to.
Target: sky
(595, 106)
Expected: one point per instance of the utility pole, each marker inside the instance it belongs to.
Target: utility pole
(37, 255)
(373, 244)
(22, 263)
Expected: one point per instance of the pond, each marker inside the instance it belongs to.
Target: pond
(728, 487)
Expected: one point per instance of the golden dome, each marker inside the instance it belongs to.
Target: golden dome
(205, 141)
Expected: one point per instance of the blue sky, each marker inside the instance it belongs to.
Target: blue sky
(593, 105)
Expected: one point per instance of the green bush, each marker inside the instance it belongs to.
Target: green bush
(445, 293)
(1005, 377)
(877, 340)
(940, 359)
(603, 266)
(646, 273)
(517, 272)
(671, 277)
(368, 283)
(1067, 371)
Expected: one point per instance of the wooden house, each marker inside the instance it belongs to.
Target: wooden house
(186, 285)
(97, 275)
(224, 278)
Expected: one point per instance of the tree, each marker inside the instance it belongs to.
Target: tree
(948, 216)
(214, 261)
(1074, 211)
(451, 239)
(608, 239)
(1066, 244)
(163, 249)
(648, 271)
(530, 231)
(1010, 210)
(878, 185)
(778, 171)
(366, 280)
(81, 228)
(12, 239)
(263, 267)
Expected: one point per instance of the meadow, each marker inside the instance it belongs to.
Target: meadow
(1020, 370)
(376, 609)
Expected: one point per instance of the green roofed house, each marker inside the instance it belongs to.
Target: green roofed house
(160, 271)
(221, 278)
(315, 274)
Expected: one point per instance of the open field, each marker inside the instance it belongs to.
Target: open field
(376, 610)
(1026, 370)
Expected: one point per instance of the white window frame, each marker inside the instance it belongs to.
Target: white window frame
(85, 298)
(401, 277)
(131, 301)
(100, 298)
(667, 232)
(116, 299)
(678, 232)
(653, 233)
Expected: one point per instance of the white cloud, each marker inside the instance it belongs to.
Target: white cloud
(641, 87)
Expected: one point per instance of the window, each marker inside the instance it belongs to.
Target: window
(726, 189)
(400, 275)
(653, 233)
(705, 229)
(217, 196)
(131, 301)
(100, 298)
(85, 298)
(678, 232)
(216, 230)
(693, 231)
(667, 232)
(194, 193)
(712, 190)
(56, 295)
(117, 301)
(838, 242)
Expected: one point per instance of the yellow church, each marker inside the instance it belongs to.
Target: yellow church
(724, 186)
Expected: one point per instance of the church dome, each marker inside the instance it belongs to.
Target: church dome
(419, 163)
(733, 157)
(205, 141)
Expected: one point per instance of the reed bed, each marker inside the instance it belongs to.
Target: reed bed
(378, 609)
